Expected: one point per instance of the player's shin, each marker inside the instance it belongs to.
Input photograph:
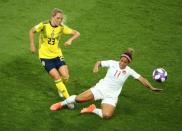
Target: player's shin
(62, 88)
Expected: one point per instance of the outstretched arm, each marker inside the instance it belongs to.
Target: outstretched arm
(147, 84)
(97, 66)
(31, 37)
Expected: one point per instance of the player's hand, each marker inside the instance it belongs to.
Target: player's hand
(33, 49)
(96, 69)
(156, 89)
(67, 43)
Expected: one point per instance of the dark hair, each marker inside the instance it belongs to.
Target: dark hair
(128, 54)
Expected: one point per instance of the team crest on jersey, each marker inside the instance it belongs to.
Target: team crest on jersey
(124, 72)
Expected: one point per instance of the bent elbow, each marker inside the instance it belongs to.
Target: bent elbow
(78, 34)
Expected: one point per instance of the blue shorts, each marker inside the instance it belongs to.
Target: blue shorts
(49, 64)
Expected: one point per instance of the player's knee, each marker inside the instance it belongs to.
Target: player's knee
(65, 78)
(80, 99)
(56, 77)
(107, 115)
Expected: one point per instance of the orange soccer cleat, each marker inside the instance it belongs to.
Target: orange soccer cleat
(88, 109)
(56, 106)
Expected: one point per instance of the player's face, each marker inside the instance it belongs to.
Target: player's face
(57, 19)
(123, 62)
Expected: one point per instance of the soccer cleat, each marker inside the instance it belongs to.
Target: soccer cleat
(88, 109)
(56, 106)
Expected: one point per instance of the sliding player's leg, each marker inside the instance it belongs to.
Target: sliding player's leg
(83, 97)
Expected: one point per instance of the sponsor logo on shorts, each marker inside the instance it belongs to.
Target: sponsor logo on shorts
(61, 58)
(43, 63)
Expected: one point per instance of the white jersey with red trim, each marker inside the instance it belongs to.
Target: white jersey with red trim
(112, 83)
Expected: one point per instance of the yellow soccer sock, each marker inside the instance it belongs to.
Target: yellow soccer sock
(64, 80)
(62, 88)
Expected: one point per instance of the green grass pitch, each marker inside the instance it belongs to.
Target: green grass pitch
(108, 27)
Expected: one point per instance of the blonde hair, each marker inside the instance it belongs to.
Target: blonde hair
(57, 10)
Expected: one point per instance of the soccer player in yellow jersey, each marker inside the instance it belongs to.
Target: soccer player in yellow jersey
(49, 52)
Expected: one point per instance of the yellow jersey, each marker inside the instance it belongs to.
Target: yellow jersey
(49, 39)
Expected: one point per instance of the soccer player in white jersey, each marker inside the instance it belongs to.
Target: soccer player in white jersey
(108, 88)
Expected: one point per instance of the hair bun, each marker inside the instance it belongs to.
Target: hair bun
(130, 50)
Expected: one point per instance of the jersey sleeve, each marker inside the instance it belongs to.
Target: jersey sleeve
(106, 63)
(67, 30)
(39, 27)
(134, 74)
